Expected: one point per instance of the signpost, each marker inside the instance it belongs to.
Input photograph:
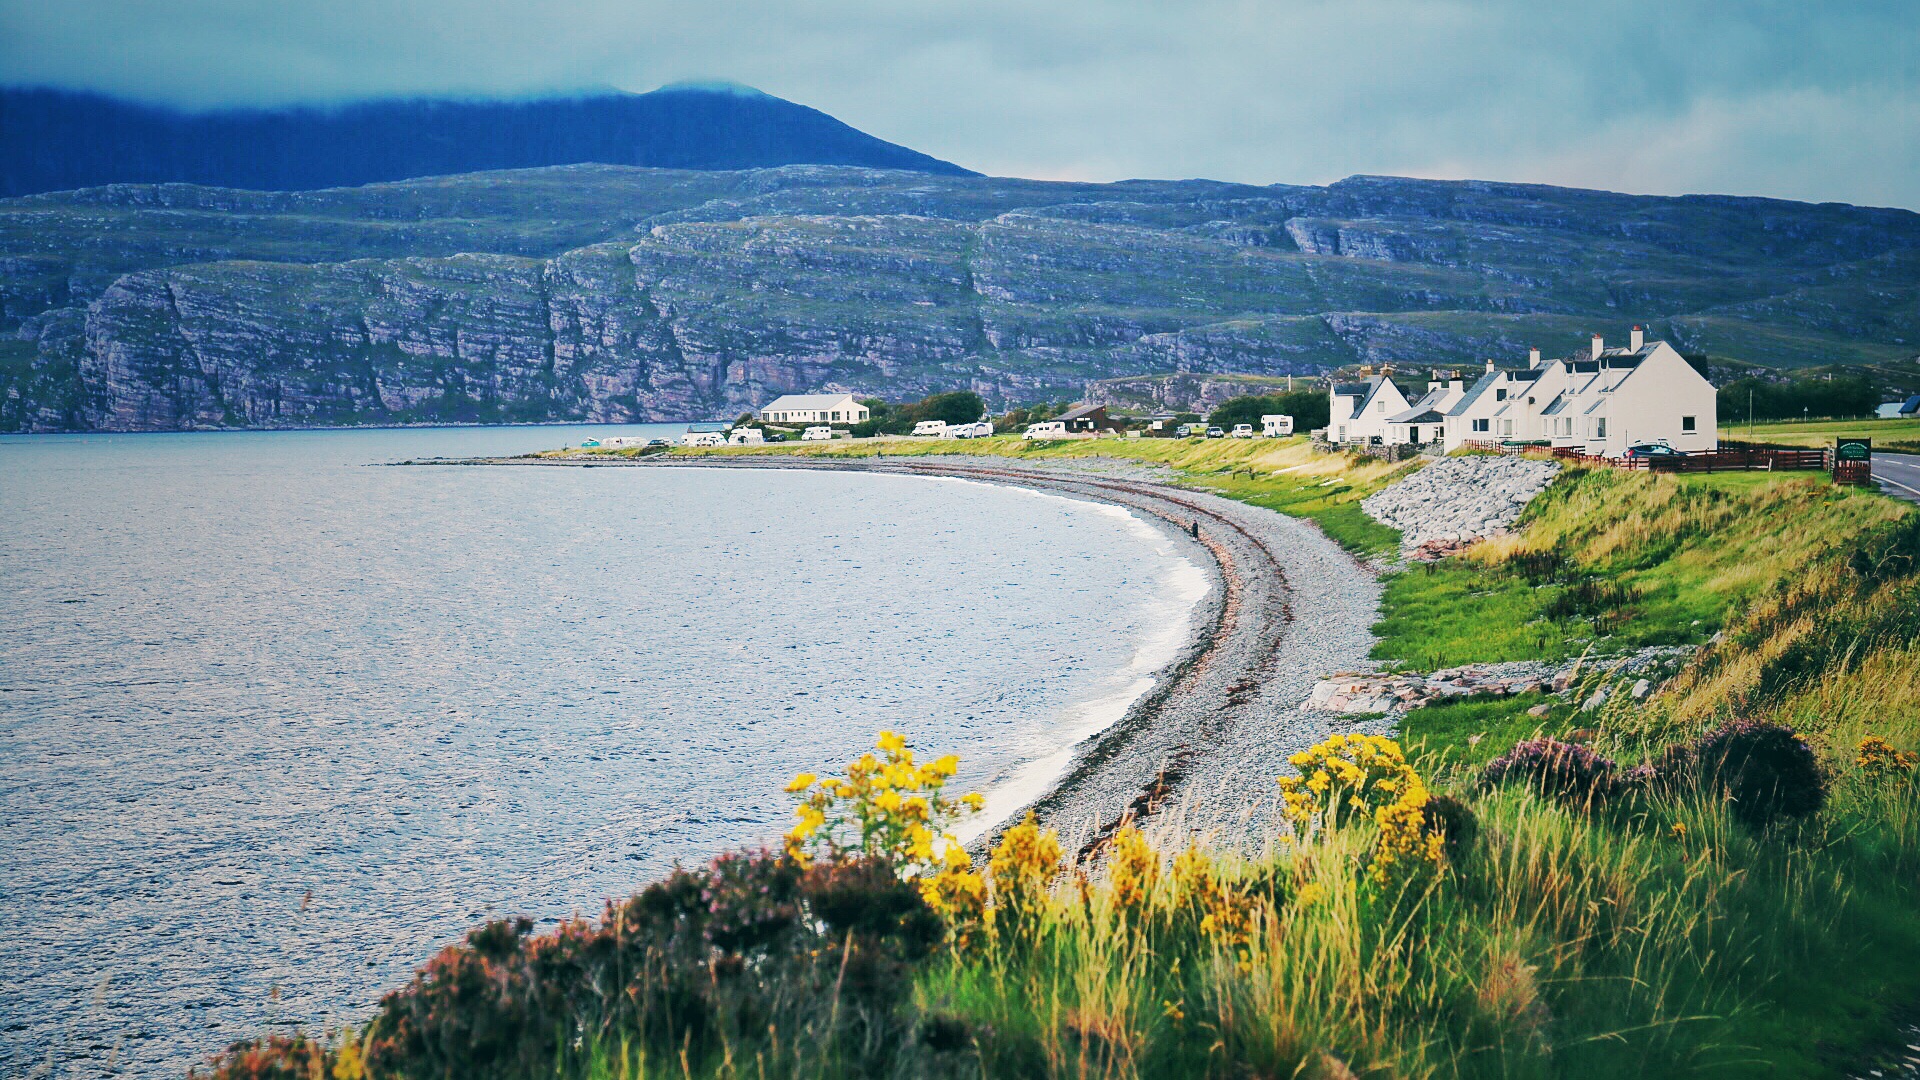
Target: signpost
(1853, 461)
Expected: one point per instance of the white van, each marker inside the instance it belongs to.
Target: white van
(1276, 426)
(930, 427)
(819, 433)
(1243, 431)
(1046, 429)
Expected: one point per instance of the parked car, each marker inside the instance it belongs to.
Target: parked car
(818, 433)
(1652, 450)
(1046, 429)
(658, 442)
(1190, 431)
(1215, 433)
(776, 436)
(1243, 431)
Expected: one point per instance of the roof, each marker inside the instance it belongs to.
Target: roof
(1416, 416)
(1350, 390)
(1080, 411)
(1559, 402)
(1912, 404)
(1372, 391)
(807, 402)
(1480, 386)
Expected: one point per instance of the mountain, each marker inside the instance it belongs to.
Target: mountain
(54, 140)
(601, 292)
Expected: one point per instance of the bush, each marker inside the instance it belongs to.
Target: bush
(1456, 824)
(1307, 407)
(1767, 772)
(1564, 771)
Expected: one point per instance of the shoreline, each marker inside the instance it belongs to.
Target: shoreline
(1200, 747)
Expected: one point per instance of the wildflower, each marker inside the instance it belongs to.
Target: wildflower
(974, 801)
(1132, 870)
(1022, 864)
(1877, 758)
(1679, 831)
(884, 806)
(1311, 893)
(800, 783)
(890, 742)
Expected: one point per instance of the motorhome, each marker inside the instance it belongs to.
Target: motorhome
(1046, 429)
(746, 436)
(979, 429)
(930, 427)
(704, 438)
(1276, 426)
(818, 433)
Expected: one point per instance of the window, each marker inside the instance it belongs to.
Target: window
(1506, 428)
(1500, 394)
(1600, 428)
(1483, 425)
(1687, 424)
(836, 416)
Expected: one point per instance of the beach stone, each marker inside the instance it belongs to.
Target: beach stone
(1459, 500)
(1539, 711)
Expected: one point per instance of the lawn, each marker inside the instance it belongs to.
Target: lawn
(1901, 435)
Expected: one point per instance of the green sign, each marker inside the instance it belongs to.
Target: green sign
(1852, 449)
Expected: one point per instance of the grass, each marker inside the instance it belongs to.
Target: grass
(1900, 434)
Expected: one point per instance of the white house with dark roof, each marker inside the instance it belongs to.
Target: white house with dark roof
(1425, 420)
(1601, 401)
(1358, 412)
(814, 409)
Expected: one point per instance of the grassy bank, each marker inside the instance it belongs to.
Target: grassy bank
(1644, 904)
(1897, 435)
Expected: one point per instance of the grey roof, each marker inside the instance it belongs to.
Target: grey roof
(1559, 402)
(1350, 390)
(1079, 412)
(1911, 405)
(1373, 390)
(1480, 386)
(806, 402)
(1416, 416)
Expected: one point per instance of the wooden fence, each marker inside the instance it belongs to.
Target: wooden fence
(1735, 457)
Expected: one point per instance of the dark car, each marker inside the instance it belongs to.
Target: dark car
(1653, 450)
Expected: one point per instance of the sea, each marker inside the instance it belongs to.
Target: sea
(278, 721)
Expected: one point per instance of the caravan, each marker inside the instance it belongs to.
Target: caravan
(979, 429)
(1276, 426)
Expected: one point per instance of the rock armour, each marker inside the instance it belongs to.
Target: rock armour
(1458, 499)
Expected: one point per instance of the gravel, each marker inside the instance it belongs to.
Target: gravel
(1460, 498)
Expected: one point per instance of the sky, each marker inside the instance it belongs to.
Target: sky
(1786, 98)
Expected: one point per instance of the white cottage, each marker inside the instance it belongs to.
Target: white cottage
(1425, 420)
(814, 409)
(1358, 412)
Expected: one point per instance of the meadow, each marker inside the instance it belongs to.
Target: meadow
(1715, 881)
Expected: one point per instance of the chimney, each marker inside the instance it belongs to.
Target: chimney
(1638, 339)
(1598, 346)
(1433, 384)
(1454, 385)
(1489, 365)
(1533, 358)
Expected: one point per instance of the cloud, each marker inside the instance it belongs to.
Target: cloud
(1758, 97)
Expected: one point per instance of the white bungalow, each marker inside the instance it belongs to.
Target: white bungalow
(814, 409)
(1358, 412)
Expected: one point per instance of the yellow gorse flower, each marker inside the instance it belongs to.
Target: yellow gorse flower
(885, 806)
(1352, 777)
(1132, 871)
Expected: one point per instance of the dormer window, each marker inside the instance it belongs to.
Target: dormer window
(1500, 394)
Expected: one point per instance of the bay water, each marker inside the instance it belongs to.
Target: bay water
(277, 722)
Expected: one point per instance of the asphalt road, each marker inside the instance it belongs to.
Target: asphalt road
(1899, 475)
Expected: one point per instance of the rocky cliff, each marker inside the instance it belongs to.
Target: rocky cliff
(608, 293)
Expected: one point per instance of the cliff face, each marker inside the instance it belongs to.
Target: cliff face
(601, 293)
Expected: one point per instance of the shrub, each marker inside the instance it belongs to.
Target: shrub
(885, 807)
(1132, 871)
(1348, 776)
(1454, 822)
(1564, 771)
(1766, 771)
(1022, 865)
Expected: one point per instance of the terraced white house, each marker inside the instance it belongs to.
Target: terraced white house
(1600, 402)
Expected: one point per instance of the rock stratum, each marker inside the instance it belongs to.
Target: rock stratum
(608, 293)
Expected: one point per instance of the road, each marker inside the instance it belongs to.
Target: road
(1899, 475)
